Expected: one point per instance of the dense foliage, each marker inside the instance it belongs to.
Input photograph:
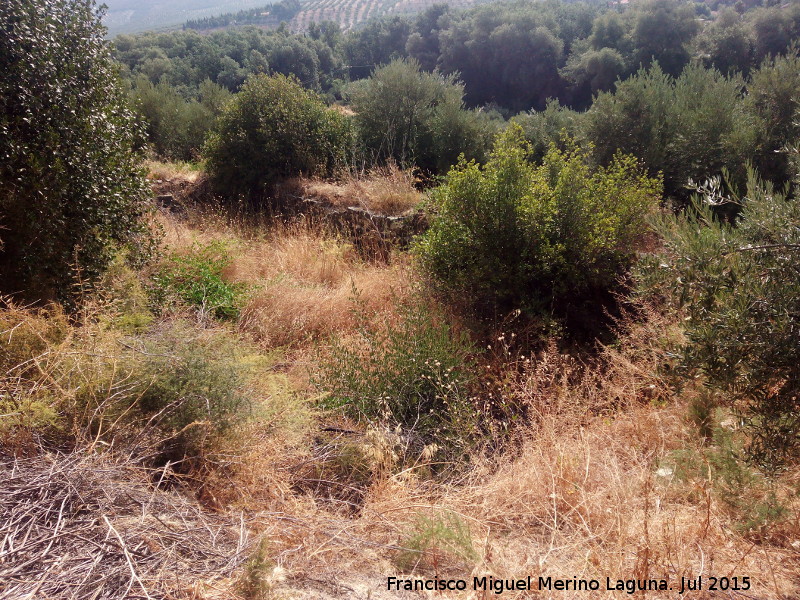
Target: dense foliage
(687, 91)
(410, 116)
(70, 185)
(274, 128)
(270, 14)
(549, 239)
(687, 127)
(417, 375)
(177, 127)
(516, 55)
(740, 287)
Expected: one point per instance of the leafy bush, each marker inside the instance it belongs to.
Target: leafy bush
(511, 235)
(197, 279)
(411, 117)
(70, 186)
(415, 374)
(773, 97)
(740, 287)
(177, 127)
(273, 128)
(689, 127)
(546, 127)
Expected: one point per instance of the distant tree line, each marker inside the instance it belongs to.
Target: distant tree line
(690, 92)
(514, 55)
(271, 14)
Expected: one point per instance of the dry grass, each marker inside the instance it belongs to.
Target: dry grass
(305, 283)
(584, 493)
(586, 502)
(386, 190)
(167, 171)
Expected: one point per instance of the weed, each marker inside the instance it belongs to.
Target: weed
(194, 383)
(26, 339)
(416, 374)
(126, 297)
(434, 540)
(255, 582)
(197, 279)
(26, 334)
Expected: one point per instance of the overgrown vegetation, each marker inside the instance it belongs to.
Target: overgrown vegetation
(573, 371)
(738, 283)
(548, 240)
(416, 374)
(71, 186)
(197, 279)
(273, 129)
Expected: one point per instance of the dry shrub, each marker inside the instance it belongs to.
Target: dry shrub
(175, 391)
(28, 337)
(636, 368)
(26, 334)
(387, 190)
(590, 502)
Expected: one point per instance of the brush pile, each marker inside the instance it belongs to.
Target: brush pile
(84, 526)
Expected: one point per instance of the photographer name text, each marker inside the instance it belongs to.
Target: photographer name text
(629, 586)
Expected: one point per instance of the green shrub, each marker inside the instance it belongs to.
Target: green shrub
(274, 128)
(193, 386)
(256, 581)
(410, 117)
(415, 374)
(547, 127)
(686, 127)
(71, 188)
(550, 239)
(739, 284)
(197, 279)
(434, 540)
(773, 96)
(177, 127)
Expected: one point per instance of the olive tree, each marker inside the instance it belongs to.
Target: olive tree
(71, 188)
(738, 285)
(273, 128)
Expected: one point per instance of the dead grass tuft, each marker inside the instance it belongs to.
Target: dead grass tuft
(386, 190)
(168, 171)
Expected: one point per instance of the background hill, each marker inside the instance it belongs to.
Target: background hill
(132, 16)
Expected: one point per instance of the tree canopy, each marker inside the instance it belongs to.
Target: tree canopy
(70, 185)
